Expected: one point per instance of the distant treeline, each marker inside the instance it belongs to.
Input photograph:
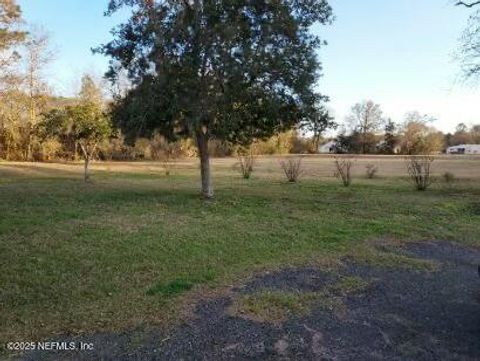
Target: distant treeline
(48, 138)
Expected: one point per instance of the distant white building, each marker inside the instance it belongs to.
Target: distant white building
(464, 149)
(329, 147)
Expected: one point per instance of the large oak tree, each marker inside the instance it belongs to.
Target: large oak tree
(233, 70)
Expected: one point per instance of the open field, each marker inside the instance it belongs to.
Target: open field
(130, 249)
(267, 167)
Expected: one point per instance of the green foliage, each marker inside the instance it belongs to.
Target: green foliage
(317, 123)
(243, 70)
(84, 123)
(391, 140)
(90, 124)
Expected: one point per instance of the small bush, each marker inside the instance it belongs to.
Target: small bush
(343, 170)
(371, 170)
(48, 150)
(449, 178)
(165, 151)
(293, 169)
(245, 164)
(419, 171)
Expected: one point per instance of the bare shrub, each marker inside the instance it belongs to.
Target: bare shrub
(343, 170)
(293, 169)
(246, 161)
(371, 170)
(165, 151)
(419, 171)
(449, 178)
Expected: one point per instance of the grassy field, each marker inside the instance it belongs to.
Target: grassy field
(132, 248)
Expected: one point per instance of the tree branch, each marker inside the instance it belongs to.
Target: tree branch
(468, 5)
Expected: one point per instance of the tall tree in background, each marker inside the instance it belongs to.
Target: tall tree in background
(418, 137)
(470, 47)
(366, 119)
(10, 35)
(318, 122)
(229, 70)
(390, 140)
(37, 57)
(11, 96)
(475, 133)
(90, 91)
(462, 135)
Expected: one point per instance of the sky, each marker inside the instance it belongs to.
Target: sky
(398, 53)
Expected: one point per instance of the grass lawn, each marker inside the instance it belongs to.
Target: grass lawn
(129, 249)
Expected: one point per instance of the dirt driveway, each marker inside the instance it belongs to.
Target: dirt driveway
(358, 313)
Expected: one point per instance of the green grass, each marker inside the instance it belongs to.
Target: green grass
(277, 306)
(127, 250)
(177, 286)
(273, 306)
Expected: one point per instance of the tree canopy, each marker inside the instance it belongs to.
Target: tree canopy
(10, 34)
(366, 118)
(10, 17)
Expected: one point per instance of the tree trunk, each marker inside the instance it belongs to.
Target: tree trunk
(75, 152)
(86, 173)
(364, 142)
(316, 142)
(202, 144)
(86, 156)
(29, 149)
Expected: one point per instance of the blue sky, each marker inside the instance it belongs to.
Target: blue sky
(399, 53)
